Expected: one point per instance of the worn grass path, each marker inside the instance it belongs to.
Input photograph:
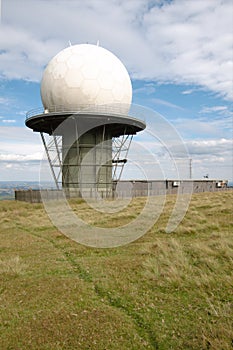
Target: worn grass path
(164, 291)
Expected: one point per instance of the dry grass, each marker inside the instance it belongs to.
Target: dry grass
(12, 265)
(195, 262)
(164, 291)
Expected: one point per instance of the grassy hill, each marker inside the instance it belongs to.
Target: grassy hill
(164, 291)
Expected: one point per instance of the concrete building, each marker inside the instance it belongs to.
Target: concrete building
(136, 188)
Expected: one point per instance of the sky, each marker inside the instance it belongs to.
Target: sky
(179, 54)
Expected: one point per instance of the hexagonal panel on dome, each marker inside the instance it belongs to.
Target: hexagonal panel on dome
(59, 88)
(125, 99)
(118, 92)
(63, 55)
(50, 98)
(105, 80)
(104, 97)
(120, 78)
(75, 62)
(107, 63)
(73, 79)
(90, 88)
(70, 101)
(90, 71)
(46, 88)
(59, 70)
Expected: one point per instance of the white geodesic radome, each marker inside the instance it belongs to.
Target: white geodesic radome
(85, 75)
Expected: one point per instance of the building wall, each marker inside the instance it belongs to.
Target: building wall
(161, 187)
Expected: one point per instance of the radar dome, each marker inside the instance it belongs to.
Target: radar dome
(83, 76)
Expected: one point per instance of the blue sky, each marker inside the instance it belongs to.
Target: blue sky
(179, 55)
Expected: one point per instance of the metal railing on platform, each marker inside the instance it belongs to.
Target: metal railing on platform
(118, 109)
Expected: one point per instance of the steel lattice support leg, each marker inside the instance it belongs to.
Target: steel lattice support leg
(53, 156)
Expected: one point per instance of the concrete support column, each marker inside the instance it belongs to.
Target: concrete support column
(87, 163)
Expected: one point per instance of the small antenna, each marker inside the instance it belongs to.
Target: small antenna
(190, 168)
(98, 42)
(69, 42)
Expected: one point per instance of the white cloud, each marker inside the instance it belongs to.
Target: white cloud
(214, 109)
(195, 42)
(205, 127)
(20, 157)
(187, 92)
(18, 135)
(178, 41)
(165, 103)
(20, 153)
(8, 120)
(147, 89)
(213, 157)
(9, 166)
(4, 101)
(23, 113)
(217, 147)
(212, 147)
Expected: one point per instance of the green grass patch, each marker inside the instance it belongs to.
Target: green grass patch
(163, 291)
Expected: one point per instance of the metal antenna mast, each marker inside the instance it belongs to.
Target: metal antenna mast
(190, 168)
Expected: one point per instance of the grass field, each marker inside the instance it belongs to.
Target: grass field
(163, 291)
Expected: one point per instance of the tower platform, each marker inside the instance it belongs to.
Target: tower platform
(115, 123)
